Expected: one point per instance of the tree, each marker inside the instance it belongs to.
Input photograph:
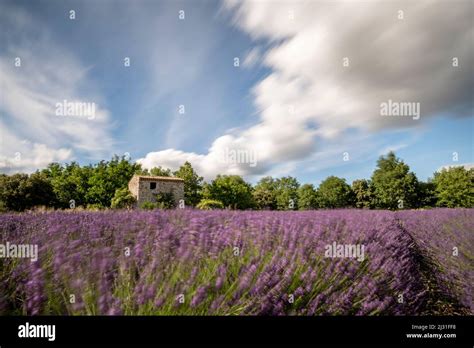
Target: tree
(12, 191)
(123, 198)
(362, 194)
(426, 194)
(107, 177)
(394, 185)
(334, 192)
(159, 171)
(454, 187)
(192, 184)
(70, 183)
(287, 193)
(39, 191)
(307, 197)
(20, 191)
(231, 190)
(264, 193)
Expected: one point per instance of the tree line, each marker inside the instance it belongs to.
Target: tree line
(105, 184)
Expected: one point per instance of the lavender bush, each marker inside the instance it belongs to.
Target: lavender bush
(187, 262)
(446, 239)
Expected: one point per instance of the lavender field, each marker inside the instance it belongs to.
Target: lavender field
(189, 262)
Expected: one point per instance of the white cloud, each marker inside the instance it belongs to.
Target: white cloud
(252, 58)
(208, 165)
(311, 95)
(393, 148)
(48, 75)
(33, 157)
(466, 166)
(308, 69)
(170, 158)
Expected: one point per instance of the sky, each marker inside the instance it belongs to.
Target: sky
(302, 88)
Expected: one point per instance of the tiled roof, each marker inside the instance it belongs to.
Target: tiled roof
(158, 178)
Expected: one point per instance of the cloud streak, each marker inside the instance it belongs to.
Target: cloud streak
(32, 135)
(333, 64)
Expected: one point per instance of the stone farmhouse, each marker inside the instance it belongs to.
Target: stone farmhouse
(144, 188)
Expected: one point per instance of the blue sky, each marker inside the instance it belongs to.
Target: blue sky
(290, 102)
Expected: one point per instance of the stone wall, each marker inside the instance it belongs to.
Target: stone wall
(133, 186)
(140, 188)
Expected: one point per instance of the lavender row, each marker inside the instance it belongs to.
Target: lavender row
(188, 262)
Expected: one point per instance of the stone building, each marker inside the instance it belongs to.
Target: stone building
(144, 188)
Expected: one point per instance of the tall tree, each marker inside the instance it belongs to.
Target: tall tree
(231, 190)
(160, 171)
(307, 197)
(107, 177)
(39, 191)
(334, 192)
(265, 193)
(287, 193)
(192, 184)
(426, 194)
(363, 197)
(395, 187)
(455, 187)
(20, 191)
(70, 183)
(12, 191)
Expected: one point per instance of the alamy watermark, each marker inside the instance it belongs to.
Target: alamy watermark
(37, 331)
(77, 109)
(10, 250)
(403, 109)
(238, 156)
(355, 251)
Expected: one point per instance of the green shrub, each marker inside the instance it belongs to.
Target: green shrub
(209, 204)
(123, 198)
(94, 206)
(3, 207)
(163, 200)
(148, 205)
